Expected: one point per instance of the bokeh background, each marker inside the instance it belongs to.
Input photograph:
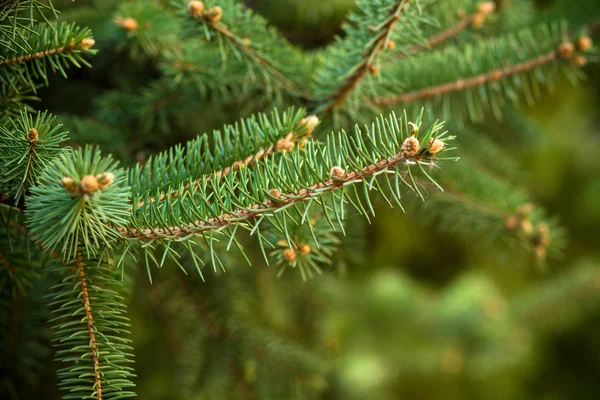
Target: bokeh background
(405, 311)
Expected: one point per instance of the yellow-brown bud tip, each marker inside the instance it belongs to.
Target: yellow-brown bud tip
(69, 184)
(105, 179)
(275, 193)
(391, 45)
(289, 255)
(410, 147)
(87, 43)
(584, 43)
(213, 14)
(304, 249)
(195, 8)
(566, 50)
(435, 146)
(310, 122)
(579, 61)
(129, 24)
(33, 135)
(89, 184)
(486, 7)
(338, 172)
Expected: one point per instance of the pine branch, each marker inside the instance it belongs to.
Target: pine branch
(46, 45)
(378, 43)
(486, 75)
(468, 83)
(249, 39)
(91, 325)
(272, 186)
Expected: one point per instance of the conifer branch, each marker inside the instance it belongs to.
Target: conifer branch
(83, 44)
(284, 144)
(379, 42)
(339, 180)
(468, 83)
(443, 36)
(89, 317)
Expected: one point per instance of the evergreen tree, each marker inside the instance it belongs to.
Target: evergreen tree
(119, 198)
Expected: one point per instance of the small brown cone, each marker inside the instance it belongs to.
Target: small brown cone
(583, 43)
(33, 135)
(304, 249)
(566, 50)
(410, 147)
(289, 255)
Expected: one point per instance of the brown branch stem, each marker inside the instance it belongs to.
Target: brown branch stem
(267, 207)
(85, 297)
(467, 83)
(368, 59)
(46, 53)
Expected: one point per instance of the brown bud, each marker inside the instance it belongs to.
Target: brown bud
(213, 14)
(289, 254)
(87, 43)
(486, 7)
(195, 8)
(579, 61)
(435, 146)
(478, 20)
(391, 45)
(410, 147)
(304, 249)
(32, 135)
(373, 69)
(69, 184)
(338, 172)
(310, 122)
(89, 184)
(129, 24)
(583, 43)
(105, 179)
(495, 75)
(525, 210)
(274, 193)
(511, 223)
(284, 144)
(526, 226)
(566, 50)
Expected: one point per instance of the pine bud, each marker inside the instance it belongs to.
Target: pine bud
(486, 7)
(69, 184)
(337, 172)
(526, 226)
(410, 147)
(289, 254)
(566, 50)
(373, 69)
(310, 122)
(304, 249)
(511, 223)
(275, 193)
(391, 45)
(435, 146)
(89, 184)
(32, 135)
(195, 8)
(105, 179)
(584, 43)
(284, 144)
(87, 43)
(525, 210)
(478, 20)
(579, 61)
(213, 14)
(129, 24)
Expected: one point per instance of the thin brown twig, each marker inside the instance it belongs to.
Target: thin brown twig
(467, 83)
(90, 324)
(368, 59)
(268, 206)
(46, 53)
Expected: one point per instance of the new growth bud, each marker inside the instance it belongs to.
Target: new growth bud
(338, 172)
(195, 8)
(89, 184)
(310, 122)
(33, 135)
(86, 43)
(289, 254)
(410, 147)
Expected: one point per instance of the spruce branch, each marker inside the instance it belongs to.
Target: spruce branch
(303, 176)
(249, 39)
(90, 324)
(486, 74)
(44, 46)
(379, 41)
